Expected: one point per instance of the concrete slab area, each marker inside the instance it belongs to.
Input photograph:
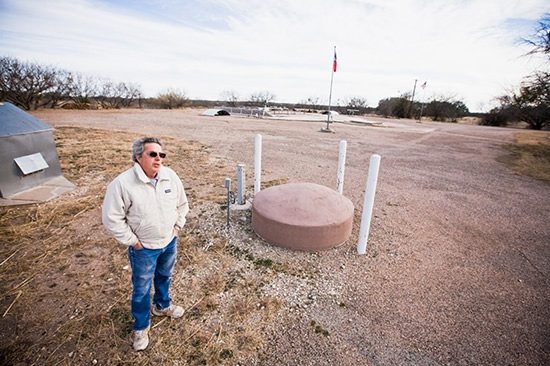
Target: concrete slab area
(42, 193)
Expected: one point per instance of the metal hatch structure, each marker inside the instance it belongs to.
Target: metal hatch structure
(28, 159)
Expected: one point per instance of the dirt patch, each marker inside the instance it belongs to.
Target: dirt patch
(456, 270)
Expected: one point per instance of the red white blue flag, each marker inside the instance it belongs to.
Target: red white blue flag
(334, 63)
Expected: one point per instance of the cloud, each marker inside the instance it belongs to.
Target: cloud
(465, 48)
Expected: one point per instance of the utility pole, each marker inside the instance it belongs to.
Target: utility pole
(412, 99)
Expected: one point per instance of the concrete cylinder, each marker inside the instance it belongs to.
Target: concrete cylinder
(302, 216)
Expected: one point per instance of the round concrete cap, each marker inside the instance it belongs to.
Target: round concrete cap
(302, 216)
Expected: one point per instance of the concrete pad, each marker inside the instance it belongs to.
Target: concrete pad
(302, 216)
(41, 193)
(366, 122)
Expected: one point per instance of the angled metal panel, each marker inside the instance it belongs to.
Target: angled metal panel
(15, 121)
(31, 163)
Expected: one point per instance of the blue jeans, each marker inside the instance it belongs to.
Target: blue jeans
(151, 266)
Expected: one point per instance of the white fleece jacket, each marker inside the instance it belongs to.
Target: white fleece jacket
(134, 209)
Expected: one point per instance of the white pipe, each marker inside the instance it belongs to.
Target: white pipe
(341, 166)
(368, 204)
(240, 184)
(257, 163)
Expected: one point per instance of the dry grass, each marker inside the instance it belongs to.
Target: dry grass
(469, 120)
(65, 284)
(530, 154)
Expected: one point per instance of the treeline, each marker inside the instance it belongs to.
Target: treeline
(31, 86)
(445, 109)
(438, 109)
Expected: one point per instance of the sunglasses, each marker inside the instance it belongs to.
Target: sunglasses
(154, 154)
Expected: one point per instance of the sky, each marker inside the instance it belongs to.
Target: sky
(469, 50)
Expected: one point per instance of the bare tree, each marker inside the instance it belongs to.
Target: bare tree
(133, 92)
(356, 102)
(540, 41)
(172, 98)
(118, 95)
(31, 86)
(230, 96)
(83, 90)
(355, 105)
(262, 98)
(60, 91)
(25, 83)
(531, 103)
(312, 101)
(107, 96)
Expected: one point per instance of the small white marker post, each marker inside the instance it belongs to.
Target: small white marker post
(368, 204)
(257, 163)
(342, 147)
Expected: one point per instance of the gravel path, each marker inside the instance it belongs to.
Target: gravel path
(458, 261)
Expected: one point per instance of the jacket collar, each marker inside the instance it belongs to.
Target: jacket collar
(162, 174)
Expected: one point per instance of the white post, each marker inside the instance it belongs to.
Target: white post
(341, 166)
(368, 204)
(240, 184)
(257, 163)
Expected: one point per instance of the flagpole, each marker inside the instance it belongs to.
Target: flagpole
(330, 93)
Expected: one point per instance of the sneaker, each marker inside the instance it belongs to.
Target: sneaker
(173, 311)
(140, 339)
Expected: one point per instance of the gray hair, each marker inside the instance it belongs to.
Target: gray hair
(139, 145)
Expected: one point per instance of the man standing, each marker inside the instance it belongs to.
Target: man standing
(144, 208)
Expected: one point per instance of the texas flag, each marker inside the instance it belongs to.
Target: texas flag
(334, 63)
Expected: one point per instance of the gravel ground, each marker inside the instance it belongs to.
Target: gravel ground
(458, 259)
